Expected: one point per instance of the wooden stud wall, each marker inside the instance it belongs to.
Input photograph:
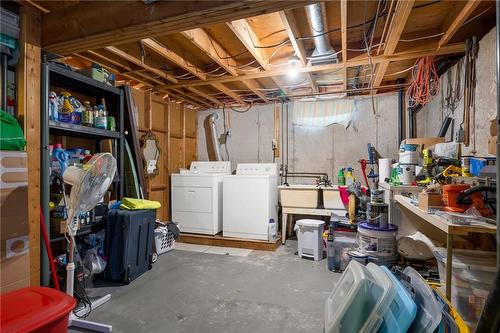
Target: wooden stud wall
(28, 89)
(176, 128)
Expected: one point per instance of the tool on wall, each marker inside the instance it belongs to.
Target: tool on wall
(471, 50)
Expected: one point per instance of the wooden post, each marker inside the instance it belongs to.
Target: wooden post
(28, 89)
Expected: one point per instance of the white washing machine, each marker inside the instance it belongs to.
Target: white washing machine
(250, 201)
(197, 197)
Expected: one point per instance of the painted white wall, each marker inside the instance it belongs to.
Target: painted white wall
(311, 149)
(429, 119)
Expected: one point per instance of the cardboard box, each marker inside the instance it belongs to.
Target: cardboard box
(423, 142)
(492, 139)
(429, 200)
(14, 235)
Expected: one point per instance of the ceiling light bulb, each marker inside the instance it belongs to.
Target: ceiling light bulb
(294, 64)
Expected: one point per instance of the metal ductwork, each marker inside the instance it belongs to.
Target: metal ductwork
(324, 52)
(212, 119)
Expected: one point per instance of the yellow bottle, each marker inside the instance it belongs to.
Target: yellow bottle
(349, 178)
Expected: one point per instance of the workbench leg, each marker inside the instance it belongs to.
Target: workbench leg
(449, 260)
(284, 221)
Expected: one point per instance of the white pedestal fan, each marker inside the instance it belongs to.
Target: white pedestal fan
(88, 186)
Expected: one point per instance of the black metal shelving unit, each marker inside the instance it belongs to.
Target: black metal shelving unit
(62, 78)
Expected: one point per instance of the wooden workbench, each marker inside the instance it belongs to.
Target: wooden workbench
(447, 227)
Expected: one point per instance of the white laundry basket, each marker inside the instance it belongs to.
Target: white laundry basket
(310, 238)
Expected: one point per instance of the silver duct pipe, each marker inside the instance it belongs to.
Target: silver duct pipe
(324, 51)
(213, 119)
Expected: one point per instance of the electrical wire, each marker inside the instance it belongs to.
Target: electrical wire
(425, 82)
(242, 111)
(421, 38)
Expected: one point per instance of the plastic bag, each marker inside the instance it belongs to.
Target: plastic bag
(94, 262)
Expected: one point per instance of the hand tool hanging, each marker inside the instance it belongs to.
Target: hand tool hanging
(471, 49)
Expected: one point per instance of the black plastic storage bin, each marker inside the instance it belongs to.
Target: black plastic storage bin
(129, 243)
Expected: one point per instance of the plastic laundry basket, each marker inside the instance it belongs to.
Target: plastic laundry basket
(164, 240)
(359, 300)
(310, 238)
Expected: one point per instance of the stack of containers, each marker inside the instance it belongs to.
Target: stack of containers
(408, 160)
(473, 278)
(369, 299)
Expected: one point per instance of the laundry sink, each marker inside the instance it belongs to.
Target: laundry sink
(299, 196)
(306, 196)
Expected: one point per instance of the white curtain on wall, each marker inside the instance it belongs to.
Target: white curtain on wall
(323, 113)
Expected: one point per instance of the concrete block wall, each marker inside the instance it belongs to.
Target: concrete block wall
(311, 149)
(429, 119)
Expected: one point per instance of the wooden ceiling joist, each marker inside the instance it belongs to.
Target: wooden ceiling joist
(290, 24)
(343, 34)
(192, 100)
(229, 92)
(212, 49)
(244, 32)
(138, 62)
(464, 14)
(403, 10)
(255, 88)
(201, 39)
(448, 49)
(204, 95)
(112, 23)
(175, 58)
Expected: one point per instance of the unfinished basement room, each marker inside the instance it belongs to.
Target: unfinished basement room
(249, 166)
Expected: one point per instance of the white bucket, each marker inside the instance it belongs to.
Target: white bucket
(376, 241)
(384, 168)
(407, 173)
(408, 157)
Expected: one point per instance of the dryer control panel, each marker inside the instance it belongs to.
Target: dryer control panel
(210, 167)
(269, 169)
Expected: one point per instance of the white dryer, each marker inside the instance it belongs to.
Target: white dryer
(197, 197)
(250, 201)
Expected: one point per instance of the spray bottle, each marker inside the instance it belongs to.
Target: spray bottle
(59, 155)
(349, 178)
(341, 177)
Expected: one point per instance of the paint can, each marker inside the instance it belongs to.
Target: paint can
(358, 256)
(406, 173)
(378, 214)
(408, 147)
(377, 241)
(377, 196)
(384, 169)
(409, 157)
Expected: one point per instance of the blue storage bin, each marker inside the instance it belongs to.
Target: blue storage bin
(478, 163)
(402, 310)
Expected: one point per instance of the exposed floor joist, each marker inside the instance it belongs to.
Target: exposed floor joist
(464, 14)
(403, 10)
(343, 33)
(449, 49)
(138, 20)
(288, 20)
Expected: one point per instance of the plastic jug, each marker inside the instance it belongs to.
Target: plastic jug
(341, 177)
(59, 155)
(349, 177)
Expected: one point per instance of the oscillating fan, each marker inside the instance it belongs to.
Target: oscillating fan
(88, 186)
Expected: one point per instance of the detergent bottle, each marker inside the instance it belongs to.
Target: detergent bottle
(349, 178)
(341, 177)
(59, 159)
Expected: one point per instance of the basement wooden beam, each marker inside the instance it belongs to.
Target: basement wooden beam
(228, 92)
(139, 63)
(204, 95)
(403, 10)
(464, 14)
(192, 100)
(175, 58)
(201, 39)
(288, 20)
(343, 34)
(448, 49)
(118, 22)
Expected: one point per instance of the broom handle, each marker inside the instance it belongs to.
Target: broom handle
(49, 252)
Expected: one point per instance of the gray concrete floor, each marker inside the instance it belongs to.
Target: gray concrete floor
(201, 292)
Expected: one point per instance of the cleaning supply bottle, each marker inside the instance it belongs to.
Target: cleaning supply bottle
(341, 177)
(333, 260)
(349, 178)
(59, 156)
